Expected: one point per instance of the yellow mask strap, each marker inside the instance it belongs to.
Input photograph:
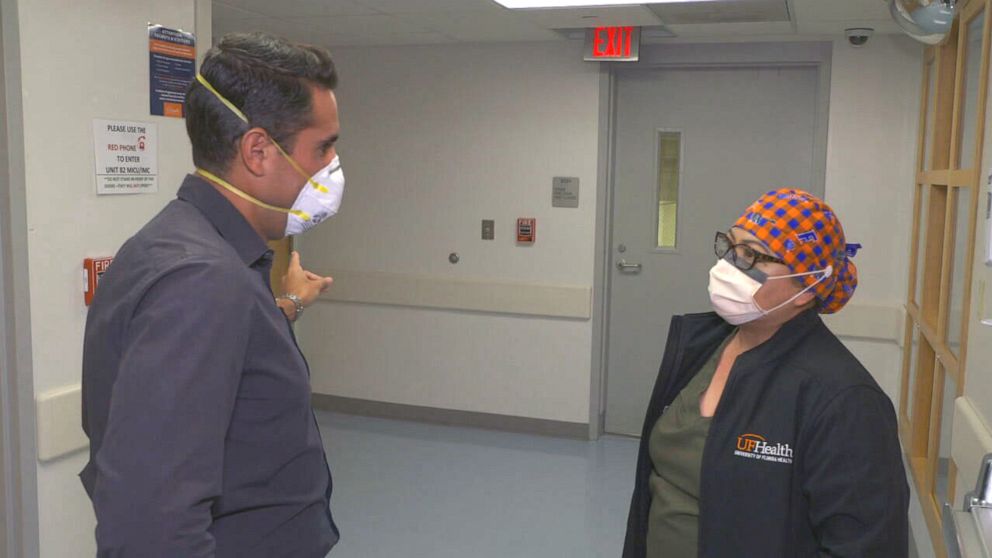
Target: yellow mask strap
(228, 186)
(241, 115)
(230, 105)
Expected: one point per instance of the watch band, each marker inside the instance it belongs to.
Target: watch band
(297, 302)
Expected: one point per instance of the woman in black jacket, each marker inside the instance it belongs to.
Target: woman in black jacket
(765, 436)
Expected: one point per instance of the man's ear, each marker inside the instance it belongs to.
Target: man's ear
(254, 148)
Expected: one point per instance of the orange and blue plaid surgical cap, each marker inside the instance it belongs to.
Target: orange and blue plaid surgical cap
(804, 232)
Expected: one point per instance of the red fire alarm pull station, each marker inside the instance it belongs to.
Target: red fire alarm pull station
(526, 230)
(93, 270)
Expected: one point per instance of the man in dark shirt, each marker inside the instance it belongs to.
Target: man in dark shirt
(196, 398)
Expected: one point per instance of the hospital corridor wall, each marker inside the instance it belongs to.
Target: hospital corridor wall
(434, 140)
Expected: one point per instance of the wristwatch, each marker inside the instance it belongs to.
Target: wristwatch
(297, 302)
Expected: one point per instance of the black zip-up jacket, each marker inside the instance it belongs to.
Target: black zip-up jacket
(802, 457)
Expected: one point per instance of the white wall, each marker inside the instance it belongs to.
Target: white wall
(871, 157)
(871, 154)
(434, 140)
(83, 59)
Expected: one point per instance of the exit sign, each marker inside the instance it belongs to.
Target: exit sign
(613, 44)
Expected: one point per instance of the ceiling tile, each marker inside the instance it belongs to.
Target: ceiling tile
(396, 22)
(837, 27)
(414, 6)
(561, 18)
(834, 10)
(722, 11)
(731, 30)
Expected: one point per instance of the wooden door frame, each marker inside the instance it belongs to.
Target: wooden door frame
(281, 250)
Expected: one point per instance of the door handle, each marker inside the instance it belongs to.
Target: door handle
(625, 267)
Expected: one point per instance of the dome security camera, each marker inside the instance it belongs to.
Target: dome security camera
(858, 36)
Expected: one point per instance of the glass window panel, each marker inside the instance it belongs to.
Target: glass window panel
(941, 473)
(928, 132)
(669, 177)
(914, 353)
(922, 246)
(923, 391)
(969, 108)
(955, 311)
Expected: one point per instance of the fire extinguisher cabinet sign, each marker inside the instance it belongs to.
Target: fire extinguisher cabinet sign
(126, 157)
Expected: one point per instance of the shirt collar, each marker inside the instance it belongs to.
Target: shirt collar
(228, 221)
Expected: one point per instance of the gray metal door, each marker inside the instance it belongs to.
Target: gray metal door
(711, 139)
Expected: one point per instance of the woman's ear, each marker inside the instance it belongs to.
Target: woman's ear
(805, 298)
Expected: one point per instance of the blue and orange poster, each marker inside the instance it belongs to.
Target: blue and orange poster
(172, 66)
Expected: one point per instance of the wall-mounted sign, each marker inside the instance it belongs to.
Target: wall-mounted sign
(565, 191)
(126, 157)
(613, 44)
(172, 66)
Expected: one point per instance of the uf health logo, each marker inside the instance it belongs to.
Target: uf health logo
(755, 446)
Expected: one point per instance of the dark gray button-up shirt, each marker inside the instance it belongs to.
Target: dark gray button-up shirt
(196, 398)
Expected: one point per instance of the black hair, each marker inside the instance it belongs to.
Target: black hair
(269, 79)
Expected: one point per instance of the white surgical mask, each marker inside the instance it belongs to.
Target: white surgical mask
(319, 199)
(732, 292)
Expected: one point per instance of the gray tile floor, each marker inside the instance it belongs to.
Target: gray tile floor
(413, 490)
